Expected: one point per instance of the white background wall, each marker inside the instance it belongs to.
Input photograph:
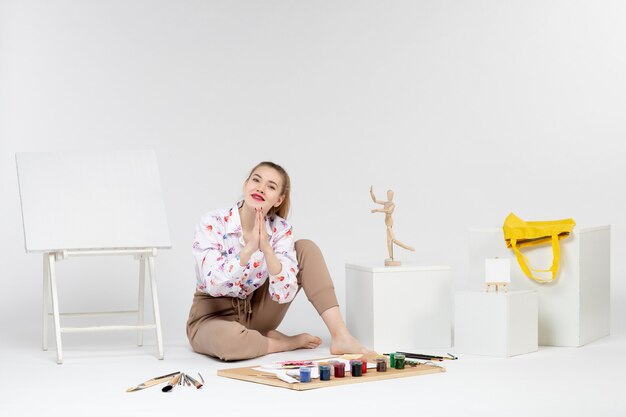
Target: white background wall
(467, 109)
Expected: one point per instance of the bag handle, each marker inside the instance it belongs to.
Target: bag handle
(524, 264)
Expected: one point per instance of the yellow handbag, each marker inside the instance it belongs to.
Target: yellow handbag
(519, 234)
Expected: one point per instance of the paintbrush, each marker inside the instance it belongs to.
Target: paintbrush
(151, 382)
(173, 381)
(279, 375)
(428, 357)
(197, 384)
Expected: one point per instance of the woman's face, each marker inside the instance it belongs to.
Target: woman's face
(263, 189)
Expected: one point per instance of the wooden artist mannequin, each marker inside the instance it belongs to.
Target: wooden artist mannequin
(388, 208)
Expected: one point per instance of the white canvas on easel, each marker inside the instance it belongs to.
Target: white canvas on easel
(93, 203)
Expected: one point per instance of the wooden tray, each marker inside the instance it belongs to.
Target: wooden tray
(250, 374)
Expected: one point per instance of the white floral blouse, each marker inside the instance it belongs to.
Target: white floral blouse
(218, 241)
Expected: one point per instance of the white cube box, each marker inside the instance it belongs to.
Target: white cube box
(573, 310)
(399, 307)
(495, 324)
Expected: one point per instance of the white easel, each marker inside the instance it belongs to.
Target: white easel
(497, 274)
(119, 189)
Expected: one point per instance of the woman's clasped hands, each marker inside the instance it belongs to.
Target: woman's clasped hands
(257, 238)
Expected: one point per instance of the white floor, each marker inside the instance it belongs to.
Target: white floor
(568, 382)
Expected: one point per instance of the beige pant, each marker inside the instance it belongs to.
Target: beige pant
(231, 329)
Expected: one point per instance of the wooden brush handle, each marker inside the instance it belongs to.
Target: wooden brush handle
(175, 380)
(149, 384)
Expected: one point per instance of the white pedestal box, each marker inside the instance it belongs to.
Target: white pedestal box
(495, 324)
(573, 310)
(399, 307)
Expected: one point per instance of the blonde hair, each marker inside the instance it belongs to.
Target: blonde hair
(283, 209)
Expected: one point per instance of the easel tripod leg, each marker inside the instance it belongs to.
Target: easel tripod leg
(155, 307)
(45, 305)
(55, 306)
(140, 308)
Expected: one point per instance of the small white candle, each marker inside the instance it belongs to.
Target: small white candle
(497, 270)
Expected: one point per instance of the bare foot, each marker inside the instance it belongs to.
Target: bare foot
(279, 342)
(348, 344)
